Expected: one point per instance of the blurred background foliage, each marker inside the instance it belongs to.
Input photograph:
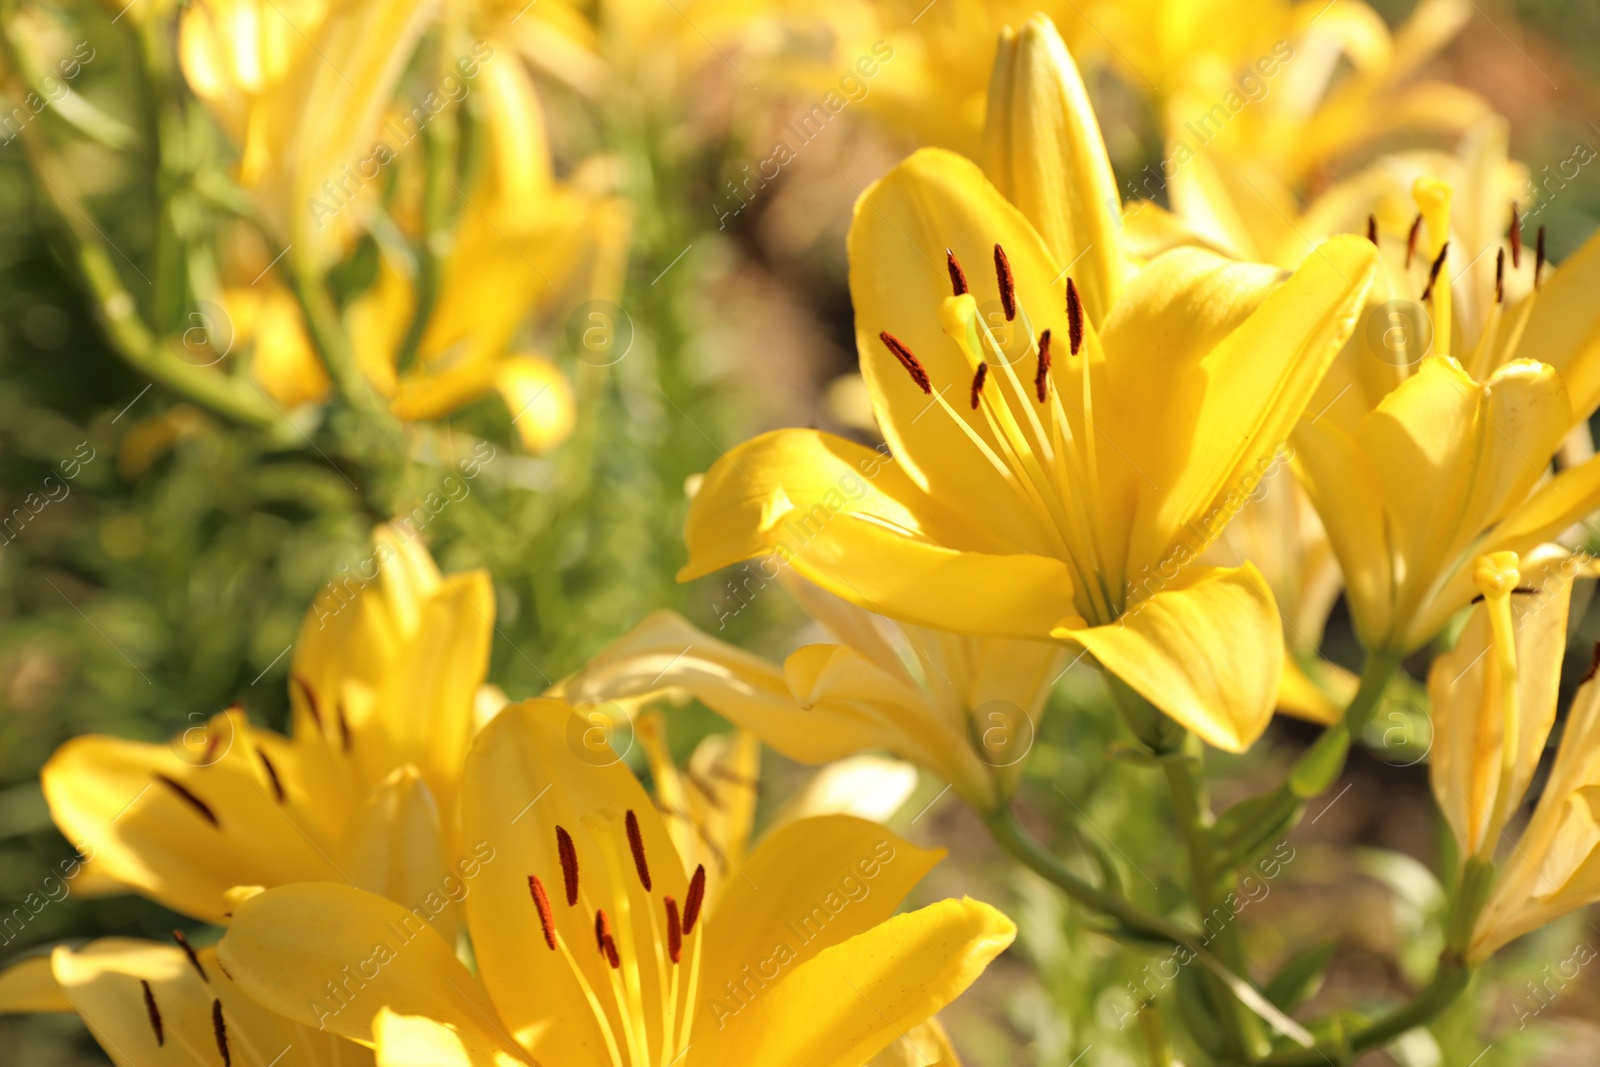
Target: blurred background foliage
(168, 578)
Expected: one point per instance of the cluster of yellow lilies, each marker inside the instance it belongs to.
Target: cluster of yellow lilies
(1158, 440)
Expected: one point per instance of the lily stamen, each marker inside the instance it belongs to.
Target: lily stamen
(1500, 276)
(696, 897)
(1538, 260)
(674, 930)
(1041, 379)
(1433, 271)
(977, 384)
(1372, 229)
(569, 864)
(541, 901)
(958, 277)
(1074, 317)
(910, 362)
(188, 950)
(1516, 237)
(1411, 241)
(636, 843)
(1008, 287)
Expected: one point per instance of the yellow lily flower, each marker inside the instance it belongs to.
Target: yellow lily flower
(596, 945)
(168, 1005)
(962, 707)
(300, 88)
(384, 675)
(1493, 704)
(1433, 434)
(1054, 482)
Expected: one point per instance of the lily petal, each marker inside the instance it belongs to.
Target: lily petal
(853, 522)
(1044, 153)
(1165, 648)
(29, 986)
(287, 945)
(809, 885)
(853, 999)
(415, 1041)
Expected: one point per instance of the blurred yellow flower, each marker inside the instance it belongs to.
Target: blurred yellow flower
(1493, 701)
(300, 88)
(596, 945)
(384, 674)
(525, 247)
(1072, 505)
(171, 1004)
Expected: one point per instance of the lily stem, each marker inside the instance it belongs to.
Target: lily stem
(1136, 921)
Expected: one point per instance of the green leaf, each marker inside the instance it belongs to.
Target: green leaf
(1299, 979)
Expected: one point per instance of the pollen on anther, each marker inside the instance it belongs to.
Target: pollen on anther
(1500, 276)
(1008, 287)
(1411, 241)
(154, 1012)
(907, 360)
(1074, 317)
(1433, 271)
(220, 1029)
(541, 902)
(1372, 228)
(978, 378)
(1041, 378)
(958, 277)
(1516, 237)
(696, 897)
(674, 930)
(1594, 665)
(569, 864)
(636, 843)
(1538, 259)
(604, 941)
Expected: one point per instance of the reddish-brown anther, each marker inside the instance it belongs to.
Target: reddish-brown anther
(1500, 276)
(696, 897)
(674, 930)
(1433, 271)
(1516, 237)
(1411, 241)
(1372, 229)
(1074, 317)
(978, 378)
(1041, 378)
(541, 902)
(636, 843)
(912, 365)
(569, 864)
(958, 277)
(1008, 287)
(1538, 260)
(604, 942)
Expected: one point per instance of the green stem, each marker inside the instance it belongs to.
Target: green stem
(1449, 980)
(132, 339)
(1143, 924)
(1208, 885)
(333, 344)
(439, 137)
